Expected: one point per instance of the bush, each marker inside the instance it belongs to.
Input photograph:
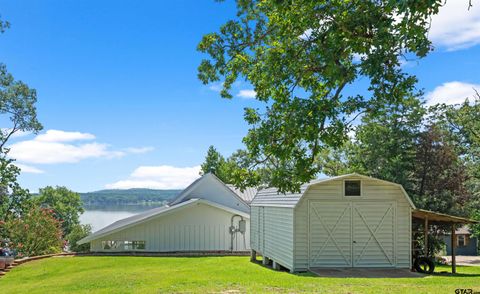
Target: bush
(79, 232)
(37, 232)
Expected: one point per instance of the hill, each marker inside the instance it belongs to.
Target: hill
(128, 197)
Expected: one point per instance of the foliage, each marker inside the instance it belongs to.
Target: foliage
(107, 274)
(65, 204)
(238, 169)
(439, 175)
(79, 232)
(300, 58)
(13, 199)
(37, 232)
(17, 103)
(17, 106)
(214, 162)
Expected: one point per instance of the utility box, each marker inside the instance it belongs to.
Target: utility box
(242, 226)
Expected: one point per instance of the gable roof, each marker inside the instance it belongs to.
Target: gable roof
(197, 182)
(271, 196)
(247, 195)
(153, 213)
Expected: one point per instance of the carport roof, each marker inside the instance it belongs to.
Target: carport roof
(441, 217)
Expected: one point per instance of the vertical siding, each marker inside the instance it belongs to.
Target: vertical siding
(371, 190)
(198, 228)
(272, 233)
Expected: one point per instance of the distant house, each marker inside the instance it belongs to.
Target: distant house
(206, 216)
(467, 244)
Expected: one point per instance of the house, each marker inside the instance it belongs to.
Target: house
(345, 221)
(206, 216)
(467, 244)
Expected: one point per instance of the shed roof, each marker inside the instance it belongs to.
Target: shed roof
(271, 196)
(152, 213)
(247, 195)
(441, 217)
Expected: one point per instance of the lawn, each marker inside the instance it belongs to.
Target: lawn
(206, 274)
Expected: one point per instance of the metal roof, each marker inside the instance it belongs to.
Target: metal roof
(271, 196)
(441, 217)
(191, 187)
(247, 195)
(152, 213)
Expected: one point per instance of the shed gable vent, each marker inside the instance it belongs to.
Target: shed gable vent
(353, 188)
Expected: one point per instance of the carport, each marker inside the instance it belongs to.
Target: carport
(431, 218)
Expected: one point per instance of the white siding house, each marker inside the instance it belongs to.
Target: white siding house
(345, 221)
(206, 216)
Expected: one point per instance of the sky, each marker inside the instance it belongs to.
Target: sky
(119, 97)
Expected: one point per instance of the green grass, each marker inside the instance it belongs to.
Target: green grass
(206, 274)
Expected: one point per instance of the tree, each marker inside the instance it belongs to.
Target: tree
(14, 200)
(37, 232)
(439, 179)
(300, 57)
(213, 161)
(17, 106)
(77, 233)
(65, 204)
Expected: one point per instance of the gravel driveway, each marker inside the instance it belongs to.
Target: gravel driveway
(465, 260)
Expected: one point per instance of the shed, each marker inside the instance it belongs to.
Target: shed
(345, 221)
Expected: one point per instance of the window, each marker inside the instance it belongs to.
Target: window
(461, 240)
(110, 245)
(134, 245)
(353, 188)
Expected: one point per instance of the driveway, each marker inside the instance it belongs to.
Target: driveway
(464, 260)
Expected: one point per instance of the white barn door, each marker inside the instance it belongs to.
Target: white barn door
(351, 234)
(373, 234)
(330, 234)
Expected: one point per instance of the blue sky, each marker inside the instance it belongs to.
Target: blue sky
(119, 98)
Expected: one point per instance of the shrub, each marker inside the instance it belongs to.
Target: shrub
(37, 232)
(79, 232)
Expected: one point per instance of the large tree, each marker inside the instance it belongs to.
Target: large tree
(18, 114)
(301, 57)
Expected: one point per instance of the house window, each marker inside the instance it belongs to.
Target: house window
(353, 188)
(134, 245)
(111, 245)
(461, 240)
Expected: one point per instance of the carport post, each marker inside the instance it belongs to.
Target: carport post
(425, 235)
(454, 244)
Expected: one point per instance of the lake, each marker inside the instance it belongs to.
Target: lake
(101, 216)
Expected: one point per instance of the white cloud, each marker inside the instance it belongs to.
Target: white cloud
(248, 94)
(455, 27)
(217, 87)
(158, 177)
(56, 146)
(63, 136)
(139, 150)
(29, 169)
(451, 93)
